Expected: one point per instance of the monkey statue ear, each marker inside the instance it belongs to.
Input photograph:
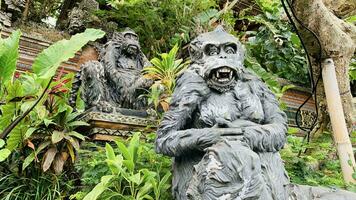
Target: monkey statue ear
(195, 51)
(128, 29)
(219, 28)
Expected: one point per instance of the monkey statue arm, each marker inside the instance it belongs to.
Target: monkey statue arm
(271, 136)
(173, 137)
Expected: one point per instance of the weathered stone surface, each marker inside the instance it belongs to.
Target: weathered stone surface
(5, 19)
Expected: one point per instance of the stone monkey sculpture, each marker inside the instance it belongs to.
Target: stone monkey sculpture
(224, 127)
(115, 81)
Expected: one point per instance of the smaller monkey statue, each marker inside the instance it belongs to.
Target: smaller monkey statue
(115, 81)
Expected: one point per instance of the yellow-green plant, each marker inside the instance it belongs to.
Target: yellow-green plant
(166, 68)
(164, 71)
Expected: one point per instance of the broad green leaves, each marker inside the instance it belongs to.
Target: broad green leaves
(47, 62)
(100, 188)
(127, 180)
(8, 56)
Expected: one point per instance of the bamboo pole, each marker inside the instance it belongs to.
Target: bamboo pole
(340, 133)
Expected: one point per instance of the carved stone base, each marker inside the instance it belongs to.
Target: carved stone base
(110, 126)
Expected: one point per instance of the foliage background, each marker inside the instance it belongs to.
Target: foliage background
(272, 50)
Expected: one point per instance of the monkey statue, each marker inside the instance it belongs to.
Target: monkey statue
(224, 129)
(115, 81)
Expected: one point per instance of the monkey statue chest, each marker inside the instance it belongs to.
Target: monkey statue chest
(239, 103)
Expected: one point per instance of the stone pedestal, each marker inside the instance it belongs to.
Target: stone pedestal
(110, 126)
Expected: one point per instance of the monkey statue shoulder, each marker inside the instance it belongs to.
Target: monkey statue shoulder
(224, 128)
(115, 80)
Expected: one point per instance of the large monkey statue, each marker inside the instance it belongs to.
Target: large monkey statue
(224, 129)
(115, 81)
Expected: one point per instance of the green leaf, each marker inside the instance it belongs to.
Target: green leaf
(8, 112)
(9, 55)
(134, 146)
(124, 150)
(144, 191)
(77, 135)
(2, 143)
(295, 39)
(47, 62)
(15, 90)
(29, 84)
(29, 132)
(57, 136)
(116, 164)
(135, 178)
(4, 153)
(110, 154)
(164, 180)
(26, 105)
(16, 137)
(129, 164)
(99, 188)
(47, 122)
(351, 19)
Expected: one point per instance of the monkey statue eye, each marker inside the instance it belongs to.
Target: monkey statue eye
(229, 50)
(213, 51)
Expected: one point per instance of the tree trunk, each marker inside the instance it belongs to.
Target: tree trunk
(26, 11)
(337, 40)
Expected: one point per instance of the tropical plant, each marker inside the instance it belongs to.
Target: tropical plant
(127, 180)
(166, 69)
(36, 124)
(34, 105)
(320, 167)
(164, 72)
(269, 78)
(274, 46)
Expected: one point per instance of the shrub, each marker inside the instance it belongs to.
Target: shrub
(132, 171)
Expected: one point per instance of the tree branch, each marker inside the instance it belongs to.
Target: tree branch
(13, 124)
